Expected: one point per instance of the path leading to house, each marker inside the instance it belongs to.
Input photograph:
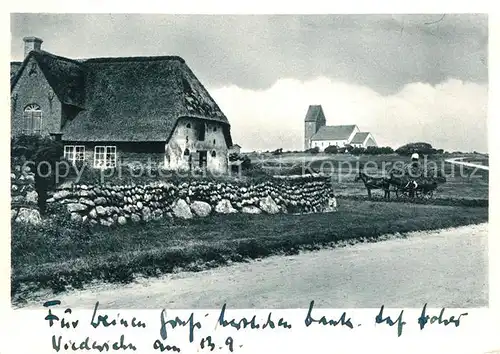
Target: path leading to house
(457, 161)
(446, 268)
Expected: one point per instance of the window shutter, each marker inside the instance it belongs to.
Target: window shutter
(37, 121)
(27, 122)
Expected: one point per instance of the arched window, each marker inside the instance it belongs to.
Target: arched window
(32, 119)
(188, 125)
(186, 152)
(215, 129)
(213, 154)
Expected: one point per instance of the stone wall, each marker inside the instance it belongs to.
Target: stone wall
(119, 204)
(24, 202)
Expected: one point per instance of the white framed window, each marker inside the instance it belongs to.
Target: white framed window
(74, 153)
(104, 156)
(32, 117)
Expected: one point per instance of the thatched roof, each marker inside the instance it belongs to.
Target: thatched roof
(334, 132)
(65, 76)
(132, 99)
(14, 68)
(313, 112)
(359, 138)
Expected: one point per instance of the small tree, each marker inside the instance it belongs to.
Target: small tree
(44, 153)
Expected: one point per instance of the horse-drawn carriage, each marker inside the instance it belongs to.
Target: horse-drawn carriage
(403, 185)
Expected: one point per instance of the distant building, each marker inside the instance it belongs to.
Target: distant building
(235, 149)
(318, 134)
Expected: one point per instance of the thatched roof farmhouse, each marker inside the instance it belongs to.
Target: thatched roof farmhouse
(123, 109)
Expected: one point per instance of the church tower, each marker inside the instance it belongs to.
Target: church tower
(315, 119)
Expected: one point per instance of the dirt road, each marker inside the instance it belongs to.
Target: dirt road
(447, 268)
(458, 161)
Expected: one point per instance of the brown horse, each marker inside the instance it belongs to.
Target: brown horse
(374, 183)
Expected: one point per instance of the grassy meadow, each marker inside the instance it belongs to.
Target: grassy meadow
(462, 182)
(61, 255)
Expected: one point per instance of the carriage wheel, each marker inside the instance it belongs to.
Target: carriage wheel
(425, 195)
(402, 194)
(429, 195)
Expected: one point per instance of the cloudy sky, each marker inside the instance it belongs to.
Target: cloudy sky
(404, 78)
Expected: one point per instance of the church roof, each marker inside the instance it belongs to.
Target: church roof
(126, 98)
(359, 138)
(334, 132)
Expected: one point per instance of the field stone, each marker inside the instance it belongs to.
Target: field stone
(122, 220)
(201, 209)
(76, 218)
(100, 201)
(66, 185)
(225, 207)
(135, 218)
(93, 213)
(268, 205)
(251, 210)
(29, 216)
(74, 207)
(100, 210)
(18, 199)
(106, 222)
(146, 214)
(181, 210)
(86, 202)
(30, 178)
(61, 194)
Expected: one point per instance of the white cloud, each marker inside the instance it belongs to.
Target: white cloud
(451, 115)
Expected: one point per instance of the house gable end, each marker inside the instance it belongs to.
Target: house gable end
(31, 87)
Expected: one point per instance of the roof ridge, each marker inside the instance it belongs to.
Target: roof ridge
(43, 52)
(339, 125)
(131, 59)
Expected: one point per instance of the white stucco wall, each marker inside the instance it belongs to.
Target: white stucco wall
(186, 137)
(323, 144)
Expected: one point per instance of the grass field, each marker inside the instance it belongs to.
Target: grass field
(59, 255)
(462, 182)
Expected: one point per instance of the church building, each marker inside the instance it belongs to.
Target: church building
(318, 134)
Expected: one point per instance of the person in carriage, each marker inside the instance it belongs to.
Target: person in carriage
(414, 174)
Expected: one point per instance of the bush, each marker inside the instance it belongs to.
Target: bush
(313, 150)
(332, 149)
(420, 148)
(278, 152)
(375, 150)
(357, 151)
